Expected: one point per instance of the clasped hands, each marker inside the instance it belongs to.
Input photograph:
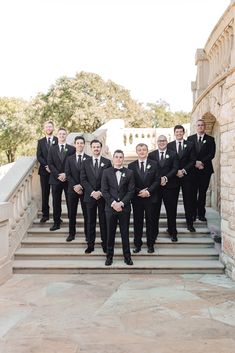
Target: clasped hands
(180, 173)
(144, 193)
(78, 189)
(62, 177)
(199, 165)
(96, 194)
(117, 206)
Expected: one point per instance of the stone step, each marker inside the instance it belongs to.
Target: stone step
(79, 254)
(63, 231)
(80, 221)
(148, 265)
(162, 242)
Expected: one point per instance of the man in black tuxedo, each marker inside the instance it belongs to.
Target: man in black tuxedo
(168, 164)
(118, 188)
(147, 181)
(205, 152)
(91, 173)
(56, 161)
(43, 147)
(187, 159)
(73, 168)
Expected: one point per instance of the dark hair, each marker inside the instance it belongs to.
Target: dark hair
(49, 122)
(79, 138)
(118, 151)
(203, 121)
(179, 127)
(95, 141)
(62, 128)
(141, 144)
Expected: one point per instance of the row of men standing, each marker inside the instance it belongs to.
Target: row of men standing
(151, 179)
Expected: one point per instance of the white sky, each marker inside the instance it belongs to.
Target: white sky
(148, 46)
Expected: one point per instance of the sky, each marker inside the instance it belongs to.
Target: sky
(147, 46)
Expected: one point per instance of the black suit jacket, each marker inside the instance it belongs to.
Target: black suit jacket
(73, 172)
(168, 167)
(88, 179)
(151, 180)
(111, 191)
(42, 153)
(56, 161)
(206, 153)
(187, 157)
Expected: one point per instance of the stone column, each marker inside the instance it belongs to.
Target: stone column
(6, 212)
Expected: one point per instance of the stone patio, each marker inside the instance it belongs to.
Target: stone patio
(117, 314)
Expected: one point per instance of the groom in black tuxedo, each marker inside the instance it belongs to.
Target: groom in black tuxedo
(56, 161)
(147, 182)
(118, 187)
(43, 147)
(187, 159)
(73, 168)
(205, 150)
(91, 173)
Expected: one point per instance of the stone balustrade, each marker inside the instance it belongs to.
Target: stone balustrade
(19, 203)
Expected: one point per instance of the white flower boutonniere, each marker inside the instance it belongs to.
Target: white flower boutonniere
(53, 142)
(102, 164)
(185, 145)
(167, 156)
(66, 149)
(84, 158)
(204, 141)
(123, 175)
(148, 166)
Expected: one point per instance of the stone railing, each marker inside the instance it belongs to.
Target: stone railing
(19, 203)
(5, 168)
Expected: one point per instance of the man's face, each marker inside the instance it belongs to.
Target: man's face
(142, 152)
(118, 159)
(48, 129)
(162, 143)
(96, 149)
(79, 145)
(200, 127)
(179, 134)
(61, 136)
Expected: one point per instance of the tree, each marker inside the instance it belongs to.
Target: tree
(163, 117)
(85, 102)
(14, 130)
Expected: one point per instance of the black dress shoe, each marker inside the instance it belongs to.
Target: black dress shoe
(150, 249)
(203, 219)
(89, 249)
(109, 261)
(44, 219)
(136, 250)
(174, 238)
(70, 237)
(191, 228)
(55, 227)
(128, 261)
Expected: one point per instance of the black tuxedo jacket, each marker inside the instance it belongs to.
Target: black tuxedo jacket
(88, 179)
(42, 153)
(206, 153)
(56, 161)
(111, 191)
(73, 171)
(151, 180)
(168, 167)
(187, 157)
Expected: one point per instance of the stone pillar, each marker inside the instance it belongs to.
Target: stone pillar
(6, 212)
(202, 71)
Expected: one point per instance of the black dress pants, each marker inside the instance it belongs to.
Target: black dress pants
(92, 208)
(45, 187)
(73, 200)
(57, 190)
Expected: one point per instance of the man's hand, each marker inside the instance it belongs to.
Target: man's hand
(144, 193)
(62, 177)
(78, 189)
(163, 181)
(117, 206)
(47, 169)
(180, 173)
(199, 165)
(96, 195)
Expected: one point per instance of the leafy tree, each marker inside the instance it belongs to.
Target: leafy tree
(85, 102)
(15, 133)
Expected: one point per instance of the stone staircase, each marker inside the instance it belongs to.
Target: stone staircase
(43, 251)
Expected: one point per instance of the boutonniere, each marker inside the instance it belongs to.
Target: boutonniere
(84, 158)
(53, 142)
(204, 141)
(148, 166)
(123, 175)
(167, 156)
(102, 164)
(185, 145)
(66, 149)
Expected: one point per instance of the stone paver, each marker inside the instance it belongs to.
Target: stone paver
(117, 314)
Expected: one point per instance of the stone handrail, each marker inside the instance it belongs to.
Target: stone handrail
(5, 168)
(19, 203)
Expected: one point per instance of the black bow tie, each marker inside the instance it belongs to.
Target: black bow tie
(118, 170)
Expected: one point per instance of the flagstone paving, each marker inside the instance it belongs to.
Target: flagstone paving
(117, 314)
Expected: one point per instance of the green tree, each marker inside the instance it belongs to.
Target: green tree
(15, 132)
(85, 102)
